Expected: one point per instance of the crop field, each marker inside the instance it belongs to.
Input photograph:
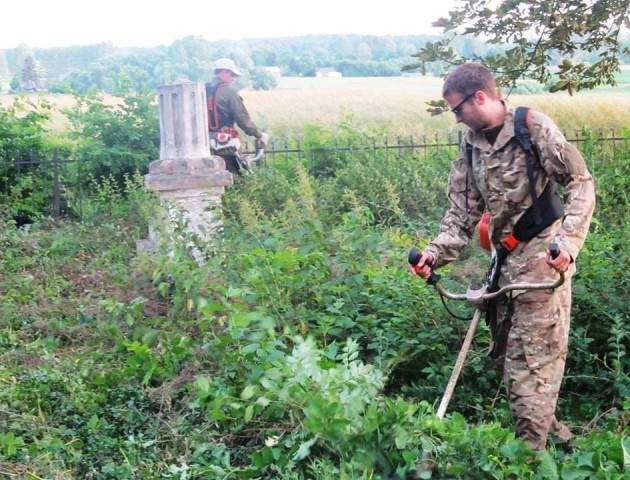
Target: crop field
(396, 106)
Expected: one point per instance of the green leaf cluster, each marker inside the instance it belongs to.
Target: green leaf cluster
(540, 40)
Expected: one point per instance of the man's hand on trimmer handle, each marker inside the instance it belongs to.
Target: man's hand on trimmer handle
(558, 259)
(421, 263)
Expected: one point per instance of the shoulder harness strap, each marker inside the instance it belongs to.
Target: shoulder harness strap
(469, 154)
(212, 95)
(521, 133)
(547, 207)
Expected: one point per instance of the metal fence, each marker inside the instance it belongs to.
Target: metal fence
(58, 179)
(285, 151)
(38, 182)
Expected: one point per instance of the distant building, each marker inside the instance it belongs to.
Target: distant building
(327, 72)
(34, 85)
(275, 71)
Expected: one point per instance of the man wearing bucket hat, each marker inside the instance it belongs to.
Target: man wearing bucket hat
(225, 110)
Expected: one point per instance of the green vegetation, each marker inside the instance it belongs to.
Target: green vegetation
(301, 348)
(23, 137)
(115, 140)
(106, 144)
(571, 45)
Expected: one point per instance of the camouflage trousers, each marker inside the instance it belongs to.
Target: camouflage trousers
(530, 353)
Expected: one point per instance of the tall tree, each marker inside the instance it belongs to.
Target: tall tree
(534, 31)
(364, 52)
(29, 70)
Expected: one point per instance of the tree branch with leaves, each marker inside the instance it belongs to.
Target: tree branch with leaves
(542, 39)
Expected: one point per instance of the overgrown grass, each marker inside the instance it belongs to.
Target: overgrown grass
(301, 348)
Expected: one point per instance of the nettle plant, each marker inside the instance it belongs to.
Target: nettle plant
(309, 402)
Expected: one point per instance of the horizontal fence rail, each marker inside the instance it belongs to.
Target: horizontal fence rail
(59, 179)
(280, 150)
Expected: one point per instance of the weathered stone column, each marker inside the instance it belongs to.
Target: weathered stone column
(187, 177)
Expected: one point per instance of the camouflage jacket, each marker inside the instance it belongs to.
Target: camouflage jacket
(498, 182)
(232, 110)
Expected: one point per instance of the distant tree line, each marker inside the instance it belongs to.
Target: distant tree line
(105, 68)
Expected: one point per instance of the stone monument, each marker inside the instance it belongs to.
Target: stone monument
(188, 179)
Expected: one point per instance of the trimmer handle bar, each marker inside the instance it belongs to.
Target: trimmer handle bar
(477, 292)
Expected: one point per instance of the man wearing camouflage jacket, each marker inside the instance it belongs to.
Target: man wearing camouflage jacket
(533, 325)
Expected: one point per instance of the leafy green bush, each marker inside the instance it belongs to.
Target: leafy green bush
(115, 140)
(263, 79)
(24, 143)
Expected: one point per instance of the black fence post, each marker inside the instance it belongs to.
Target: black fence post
(56, 189)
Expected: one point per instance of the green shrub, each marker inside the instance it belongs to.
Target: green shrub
(115, 140)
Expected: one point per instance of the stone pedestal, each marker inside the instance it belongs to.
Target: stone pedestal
(188, 179)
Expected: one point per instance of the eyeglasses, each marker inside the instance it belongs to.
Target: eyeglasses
(457, 109)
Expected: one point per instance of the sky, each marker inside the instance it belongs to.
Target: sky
(139, 23)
